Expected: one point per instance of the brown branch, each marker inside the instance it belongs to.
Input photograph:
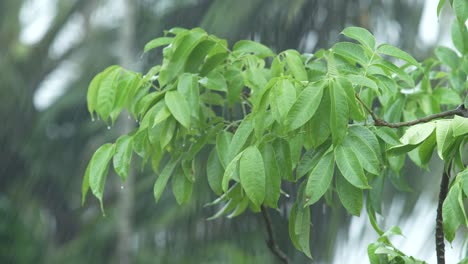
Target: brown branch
(439, 237)
(271, 242)
(460, 111)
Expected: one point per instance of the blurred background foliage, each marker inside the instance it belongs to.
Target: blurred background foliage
(45, 143)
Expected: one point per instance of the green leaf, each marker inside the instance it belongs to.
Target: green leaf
(240, 208)
(350, 196)
(310, 159)
(214, 171)
(98, 168)
(319, 179)
(397, 53)
(161, 115)
(394, 230)
(141, 143)
(295, 64)
(248, 46)
(413, 137)
(363, 81)
(277, 67)
(183, 45)
(127, 82)
(350, 167)
(446, 96)
(198, 55)
(376, 193)
(452, 212)
(439, 7)
(181, 187)
(350, 51)
(373, 257)
(272, 177)
(365, 145)
(371, 214)
(318, 127)
(235, 82)
(447, 57)
(400, 149)
(388, 66)
(223, 140)
(356, 111)
(305, 106)
(418, 133)
(463, 176)
(93, 89)
(123, 156)
(459, 126)
(282, 98)
(214, 81)
(302, 229)
(339, 113)
(460, 37)
(263, 120)
(426, 149)
(292, 228)
(231, 172)
(163, 178)
(388, 135)
(362, 35)
(212, 61)
(444, 136)
(283, 158)
(107, 92)
(231, 204)
(157, 42)
(179, 107)
(240, 138)
(188, 87)
(167, 132)
(252, 175)
(212, 98)
(461, 10)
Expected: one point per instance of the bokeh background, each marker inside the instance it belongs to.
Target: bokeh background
(49, 52)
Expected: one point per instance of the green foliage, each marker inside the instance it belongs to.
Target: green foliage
(383, 251)
(267, 118)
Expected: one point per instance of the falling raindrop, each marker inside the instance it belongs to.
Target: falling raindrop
(92, 119)
(108, 127)
(128, 117)
(121, 187)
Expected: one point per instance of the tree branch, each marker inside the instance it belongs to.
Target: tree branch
(439, 237)
(271, 242)
(460, 111)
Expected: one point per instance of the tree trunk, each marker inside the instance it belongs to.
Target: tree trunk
(125, 203)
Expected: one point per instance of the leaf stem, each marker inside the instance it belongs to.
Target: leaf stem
(460, 111)
(271, 242)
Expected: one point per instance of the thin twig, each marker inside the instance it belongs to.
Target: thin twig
(271, 242)
(460, 111)
(439, 237)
